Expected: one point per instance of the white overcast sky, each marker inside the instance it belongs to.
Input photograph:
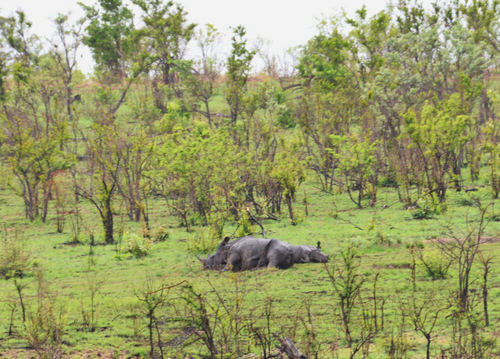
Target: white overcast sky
(285, 23)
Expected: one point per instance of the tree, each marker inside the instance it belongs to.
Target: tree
(110, 35)
(438, 133)
(202, 83)
(347, 284)
(65, 53)
(288, 171)
(36, 133)
(357, 162)
(34, 158)
(491, 146)
(238, 68)
(323, 61)
(165, 35)
(98, 184)
(482, 16)
(135, 150)
(198, 172)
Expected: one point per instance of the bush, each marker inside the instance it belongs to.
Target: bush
(14, 260)
(380, 238)
(435, 265)
(422, 213)
(136, 245)
(465, 200)
(202, 242)
(45, 325)
(158, 234)
(245, 226)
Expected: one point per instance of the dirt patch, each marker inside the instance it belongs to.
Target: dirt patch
(72, 243)
(393, 266)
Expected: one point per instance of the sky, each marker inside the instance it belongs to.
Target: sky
(284, 23)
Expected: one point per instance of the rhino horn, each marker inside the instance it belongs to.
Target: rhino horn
(203, 261)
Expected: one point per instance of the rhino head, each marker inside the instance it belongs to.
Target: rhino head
(307, 254)
(316, 255)
(217, 260)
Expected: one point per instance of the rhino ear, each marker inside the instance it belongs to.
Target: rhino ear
(319, 245)
(222, 245)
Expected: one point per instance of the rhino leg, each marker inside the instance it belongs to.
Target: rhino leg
(233, 262)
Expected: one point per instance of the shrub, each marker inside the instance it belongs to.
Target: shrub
(45, 325)
(245, 226)
(136, 245)
(465, 200)
(435, 265)
(202, 242)
(422, 213)
(14, 260)
(380, 238)
(158, 234)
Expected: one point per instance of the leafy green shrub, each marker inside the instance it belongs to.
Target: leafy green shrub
(46, 324)
(381, 238)
(427, 207)
(136, 245)
(435, 265)
(202, 242)
(158, 234)
(422, 213)
(285, 118)
(245, 226)
(389, 181)
(465, 200)
(14, 260)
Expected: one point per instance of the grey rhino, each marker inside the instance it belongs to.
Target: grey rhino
(248, 253)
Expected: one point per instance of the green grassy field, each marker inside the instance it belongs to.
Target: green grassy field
(304, 307)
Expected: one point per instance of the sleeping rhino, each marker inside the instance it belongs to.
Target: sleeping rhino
(248, 253)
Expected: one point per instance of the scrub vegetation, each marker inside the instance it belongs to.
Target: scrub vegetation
(379, 138)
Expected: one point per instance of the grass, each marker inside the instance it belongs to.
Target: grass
(383, 234)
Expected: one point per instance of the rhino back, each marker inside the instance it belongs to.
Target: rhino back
(248, 253)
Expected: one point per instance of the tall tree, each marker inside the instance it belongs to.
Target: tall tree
(166, 33)
(98, 183)
(238, 69)
(110, 35)
(438, 132)
(65, 53)
(35, 132)
(202, 75)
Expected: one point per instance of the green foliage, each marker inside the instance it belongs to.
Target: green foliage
(136, 245)
(323, 61)
(492, 147)
(165, 34)
(465, 200)
(109, 33)
(245, 225)
(438, 134)
(357, 161)
(202, 242)
(46, 324)
(434, 264)
(15, 261)
(238, 69)
(392, 109)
